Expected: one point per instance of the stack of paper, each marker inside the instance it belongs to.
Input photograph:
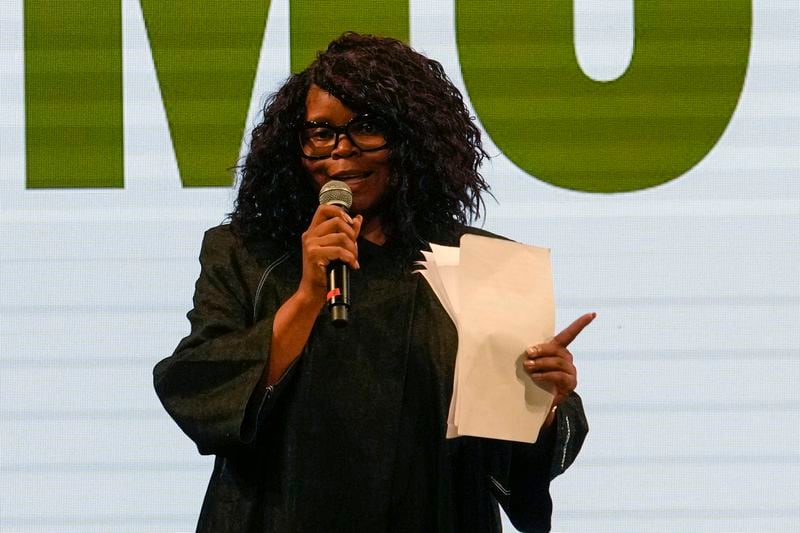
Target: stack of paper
(499, 294)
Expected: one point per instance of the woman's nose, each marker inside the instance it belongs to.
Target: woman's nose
(344, 147)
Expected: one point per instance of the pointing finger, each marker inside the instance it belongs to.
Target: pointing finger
(569, 333)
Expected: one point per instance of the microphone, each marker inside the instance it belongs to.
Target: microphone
(337, 193)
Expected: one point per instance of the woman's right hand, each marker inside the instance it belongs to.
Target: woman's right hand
(331, 236)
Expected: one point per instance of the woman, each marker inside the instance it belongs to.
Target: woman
(317, 428)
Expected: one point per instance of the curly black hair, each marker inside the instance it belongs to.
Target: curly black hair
(435, 152)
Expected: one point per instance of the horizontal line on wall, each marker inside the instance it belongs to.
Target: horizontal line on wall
(701, 355)
(587, 460)
(67, 522)
(76, 363)
(587, 356)
(696, 301)
(618, 409)
(95, 259)
(137, 466)
(681, 208)
(724, 515)
(81, 414)
(586, 302)
(102, 309)
(704, 406)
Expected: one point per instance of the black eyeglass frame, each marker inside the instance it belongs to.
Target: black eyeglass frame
(338, 131)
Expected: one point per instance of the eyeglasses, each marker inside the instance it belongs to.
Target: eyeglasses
(318, 140)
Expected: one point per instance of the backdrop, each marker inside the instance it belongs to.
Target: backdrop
(654, 146)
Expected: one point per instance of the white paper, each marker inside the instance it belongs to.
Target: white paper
(500, 297)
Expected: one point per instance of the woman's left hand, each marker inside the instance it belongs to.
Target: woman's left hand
(551, 362)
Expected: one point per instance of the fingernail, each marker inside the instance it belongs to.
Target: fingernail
(347, 218)
(357, 265)
(532, 350)
(529, 364)
(536, 377)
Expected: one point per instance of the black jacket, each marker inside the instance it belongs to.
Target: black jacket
(352, 436)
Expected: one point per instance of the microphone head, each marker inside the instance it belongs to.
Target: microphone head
(336, 193)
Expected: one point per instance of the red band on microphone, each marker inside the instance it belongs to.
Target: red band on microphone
(333, 293)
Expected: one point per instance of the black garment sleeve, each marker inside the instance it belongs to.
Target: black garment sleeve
(571, 430)
(209, 384)
(520, 474)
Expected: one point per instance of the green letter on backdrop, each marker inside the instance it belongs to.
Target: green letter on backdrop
(647, 127)
(314, 24)
(206, 55)
(73, 93)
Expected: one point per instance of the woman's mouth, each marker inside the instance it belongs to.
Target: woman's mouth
(351, 178)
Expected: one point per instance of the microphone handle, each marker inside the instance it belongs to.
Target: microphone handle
(338, 293)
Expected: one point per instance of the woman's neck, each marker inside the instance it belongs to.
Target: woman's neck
(372, 230)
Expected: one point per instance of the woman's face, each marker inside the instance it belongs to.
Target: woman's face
(367, 173)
